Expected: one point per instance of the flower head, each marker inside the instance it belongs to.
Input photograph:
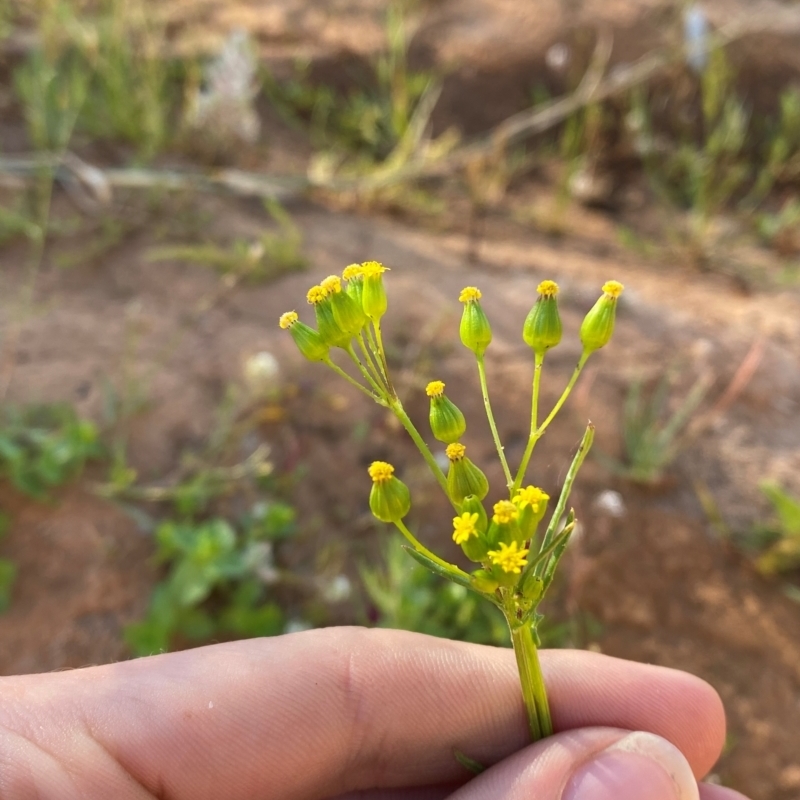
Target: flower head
(530, 496)
(613, 288)
(547, 288)
(455, 451)
(509, 557)
(371, 269)
(332, 284)
(353, 272)
(435, 389)
(464, 527)
(316, 294)
(288, 319)
(504, 512)
(469, 294)
(380, 471)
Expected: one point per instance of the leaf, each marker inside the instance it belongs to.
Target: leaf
(471, 764)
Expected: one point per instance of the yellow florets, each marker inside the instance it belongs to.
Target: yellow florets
(288, 319)
(316, 294)
(370, 269)
(455, 451)
(353, 272)
(547, 288)
(530, 496)
(435, 389)
(380, 471)
(613, 288)
(464, 527)
(469, 294)
(504, 511)
(509, 557)
(332, 284)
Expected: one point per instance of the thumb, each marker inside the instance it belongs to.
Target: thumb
(589, 764)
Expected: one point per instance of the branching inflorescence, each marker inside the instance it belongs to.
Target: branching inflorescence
(516, 563)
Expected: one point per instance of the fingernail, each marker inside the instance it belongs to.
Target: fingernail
(640, 765)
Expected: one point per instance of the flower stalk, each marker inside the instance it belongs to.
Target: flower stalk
(513, 566)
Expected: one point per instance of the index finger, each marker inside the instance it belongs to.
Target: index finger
(324, 712)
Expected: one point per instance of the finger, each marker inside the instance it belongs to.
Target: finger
(329, 711)
(589, 764)
(709, 792)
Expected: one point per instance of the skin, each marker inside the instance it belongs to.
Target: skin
(340, 713)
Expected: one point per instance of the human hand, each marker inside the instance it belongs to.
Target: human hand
(352, 713)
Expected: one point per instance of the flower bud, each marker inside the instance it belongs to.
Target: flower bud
(308, 341)
(532, 504)
(447, 421)
(542, 329)
(348, 314)
(504, 527)
(598, 325)
(331, 333)
(373, 295)
(389, 499)
(532, 588)
(476, 333)
(469, 529)
(463, 477)
(508, 561)
(483, 581)
(353, 276)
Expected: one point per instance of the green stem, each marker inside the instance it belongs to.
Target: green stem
(339, 371)
(382, 355)
(372, 365)
(536, 433)
(495, 435)
(380, 391)
(538, 360)
(530, 676)
(420, 548)
(406, 422)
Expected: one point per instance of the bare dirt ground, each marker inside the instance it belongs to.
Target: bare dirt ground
(665, 588)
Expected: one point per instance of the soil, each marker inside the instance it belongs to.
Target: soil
(662, 582)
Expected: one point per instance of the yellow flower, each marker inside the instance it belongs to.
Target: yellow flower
(530, 496)
(380, 471)
(613, 288)
(316, 294)
(464, 527)
(353, 272)
(371, 269)
(469, 294)
(332, 284)
(547, 288)
(288, 319)
(455, 451)
(504, 512)
(510, 557)
(435, 389)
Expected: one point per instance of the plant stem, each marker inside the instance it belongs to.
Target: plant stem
(490, 417)
(398, 410)
(339, 371)
(369, 360)
(382, 355)
(538, 360)
(420, 548)
(536, 433)
(530, 676)
(380, 391)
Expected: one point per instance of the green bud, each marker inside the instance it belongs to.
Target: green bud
(542, 329)
(308, 341)
(349, 315)
(476, 333)
(389, 499)
(483, 581)
(474, 547)
(532, 504)
(598, 325)
(532, 588)
(463, 477)
(373, 294)
(447, 421)
(504, 526)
